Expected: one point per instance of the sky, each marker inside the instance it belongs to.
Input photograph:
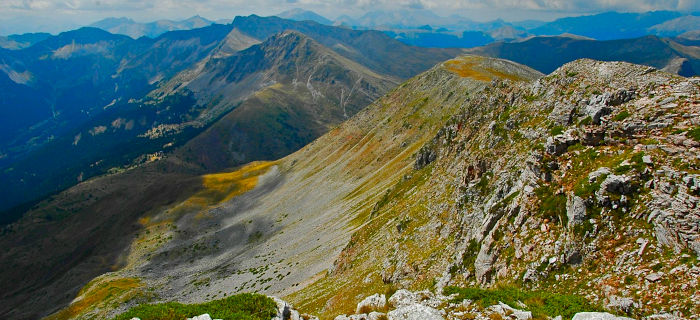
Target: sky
(20, 16)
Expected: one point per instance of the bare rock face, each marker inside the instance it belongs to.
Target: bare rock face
(575, 209)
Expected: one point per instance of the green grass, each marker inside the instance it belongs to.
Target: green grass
(245, 306)
(556, 130)
(694, 134)
(552, 205)
(622, 115)
(542, 304)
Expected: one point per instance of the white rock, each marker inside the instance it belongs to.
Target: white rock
(135, 318)
(205, 316)
(597, 316)
(375, 315)
(373, 302)
(654, 276)
(518, 314)
(403, 297)
(361, 316)
(342, 317)
(414, 312)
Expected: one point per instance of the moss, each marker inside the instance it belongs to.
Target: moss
(244, 306)
(621, 116)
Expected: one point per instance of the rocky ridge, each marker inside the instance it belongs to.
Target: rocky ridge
(584, 181)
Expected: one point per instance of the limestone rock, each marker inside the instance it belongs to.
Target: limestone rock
(623, 304)
(575, 209)
(375, 315)
(415, 312)
(373, 303)
(205, 316)
(597, 316)
(653, 277)
(402, 298)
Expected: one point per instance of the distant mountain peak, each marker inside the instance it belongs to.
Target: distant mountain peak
(299, 14)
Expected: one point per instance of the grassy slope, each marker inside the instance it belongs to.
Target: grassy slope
(402, 208)
(421, 231)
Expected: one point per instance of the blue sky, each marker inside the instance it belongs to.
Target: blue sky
(17, 16)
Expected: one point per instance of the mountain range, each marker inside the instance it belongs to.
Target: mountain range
(153, 29)
(145, 96)
(326, 164)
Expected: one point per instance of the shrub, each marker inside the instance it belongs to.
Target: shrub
(244, 306)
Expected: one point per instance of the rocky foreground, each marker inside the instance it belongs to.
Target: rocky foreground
(425, 305)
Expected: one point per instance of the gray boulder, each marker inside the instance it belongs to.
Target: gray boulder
(575, 209)
(403, 297)
(625, 305)
(415, 312)
(597, 316)
(558, 144)
(373, 303)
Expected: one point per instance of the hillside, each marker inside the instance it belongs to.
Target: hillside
(285, 93)
(569, 184)
(549, 53)
(108, 102)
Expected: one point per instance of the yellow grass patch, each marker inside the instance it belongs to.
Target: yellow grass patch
(221, 187)
(469, 67)
(96, 293)
(466, 69)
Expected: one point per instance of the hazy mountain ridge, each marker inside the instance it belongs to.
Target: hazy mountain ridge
(548, 53)
(153, 29)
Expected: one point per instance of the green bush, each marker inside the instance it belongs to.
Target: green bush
(622, 115)
(245, 306)
(542, 304)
